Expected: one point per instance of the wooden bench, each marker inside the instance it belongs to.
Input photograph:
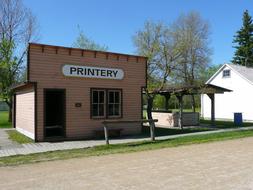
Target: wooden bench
(99, 133)
(107, 130)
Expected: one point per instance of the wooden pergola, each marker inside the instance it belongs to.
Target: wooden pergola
(180, 91)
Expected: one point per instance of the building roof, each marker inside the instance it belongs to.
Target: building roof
(243, 71)
(22, 85)
(247, 72)
(89, 50)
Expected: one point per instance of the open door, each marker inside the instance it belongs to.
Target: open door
(54, 113)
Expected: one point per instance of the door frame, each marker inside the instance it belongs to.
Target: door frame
(63, 90)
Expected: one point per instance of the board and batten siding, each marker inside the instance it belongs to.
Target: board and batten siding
(25, 113)
(239, 100)
(45, 68)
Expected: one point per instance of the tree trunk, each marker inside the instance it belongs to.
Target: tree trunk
(10, 115)
(180, 113)
(10, 110)
(193, 103)
(150, 106)
(150, 100)
(167, 97)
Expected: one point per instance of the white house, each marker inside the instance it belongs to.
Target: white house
(239, 79)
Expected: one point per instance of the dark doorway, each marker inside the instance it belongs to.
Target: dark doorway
(54, 112)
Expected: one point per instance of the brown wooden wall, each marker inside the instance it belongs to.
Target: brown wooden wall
(45, 68)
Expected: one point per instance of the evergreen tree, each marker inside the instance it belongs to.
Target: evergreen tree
(244, 40)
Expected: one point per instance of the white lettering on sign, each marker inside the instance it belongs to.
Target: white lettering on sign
(92, 72)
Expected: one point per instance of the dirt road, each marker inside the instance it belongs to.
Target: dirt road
(219, 165)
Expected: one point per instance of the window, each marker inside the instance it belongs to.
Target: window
(113, 103)
(98, 103)
(226, 73)
(106, 103)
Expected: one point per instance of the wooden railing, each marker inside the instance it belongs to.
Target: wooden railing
(151, 121)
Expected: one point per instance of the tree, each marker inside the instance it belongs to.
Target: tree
(17, 28)
(207, 73)
(244, 40)
(192, 35)
(84, 42)
(156, 42)
(9, 69)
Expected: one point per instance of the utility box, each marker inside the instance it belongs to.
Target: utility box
(238, 119)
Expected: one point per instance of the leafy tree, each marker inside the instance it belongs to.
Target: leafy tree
(17, 28)
(9, 69)
(84, 42)
(177, 54)
(192, 35)
(207, 73)
(244, 40)
(155, 41)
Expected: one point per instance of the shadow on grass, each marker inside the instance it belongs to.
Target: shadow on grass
(159, 131)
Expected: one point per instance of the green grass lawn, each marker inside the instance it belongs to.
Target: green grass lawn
(225, 124)
(4, 120)
(122, 148)
(18, 137)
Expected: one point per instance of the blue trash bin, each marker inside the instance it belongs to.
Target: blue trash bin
(238, 119)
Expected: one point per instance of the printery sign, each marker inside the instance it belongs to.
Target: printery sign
(92, 72)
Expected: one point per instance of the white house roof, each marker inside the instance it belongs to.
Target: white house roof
(247, 72)
(244, 72)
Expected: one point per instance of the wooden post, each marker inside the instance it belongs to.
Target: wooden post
(167, 97)
(106, 134)
(212, 97)
(180, 116)
(152, 130)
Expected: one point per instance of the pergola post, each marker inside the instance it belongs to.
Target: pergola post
(180, 116)
(212, 97)
(167, 97)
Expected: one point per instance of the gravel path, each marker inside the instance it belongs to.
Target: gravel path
(220, 165)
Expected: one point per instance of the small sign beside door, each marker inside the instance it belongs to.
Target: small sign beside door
(78, 105)
(92, 72)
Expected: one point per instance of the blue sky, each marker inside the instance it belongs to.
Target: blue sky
(114, 22)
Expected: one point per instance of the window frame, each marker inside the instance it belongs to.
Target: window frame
(120, 103)
(226, 76)
(91, 103)
(106, 104)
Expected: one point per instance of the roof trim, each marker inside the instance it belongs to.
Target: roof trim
(217, 72)
(22, 85)
(80, 49)
(218, 87)
(192, 89)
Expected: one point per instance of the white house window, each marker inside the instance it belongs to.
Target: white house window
(226, 73)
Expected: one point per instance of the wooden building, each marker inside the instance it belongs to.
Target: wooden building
(239, 79)
(69, 92)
